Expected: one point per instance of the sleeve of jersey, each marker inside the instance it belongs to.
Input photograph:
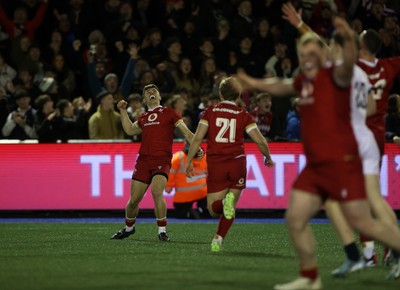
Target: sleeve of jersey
(250, 124)
(177, 118)
(204, 118)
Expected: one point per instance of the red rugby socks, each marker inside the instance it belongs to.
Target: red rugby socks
(130, 224)
(223, 226)
(217, 206)
(311, 273)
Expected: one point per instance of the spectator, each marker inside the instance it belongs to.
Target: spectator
(152, 48)
(376, 17)
(68, 125)
(274, 62)
(261, 48)
(45, 120)
(243, 25)
(111, 81)
(393, 117)
(20, 24)
(208, 69)
(189, 38)
(184, 77)
(293, 123)
(36, 65)
(174, 51)
(19, 51)
(188, 190)
(63, 75)
(105, 123)
(20, 123)
(262, 114)
(205, 50)
(178, 103)
(246, 59)
(55, 46)
(135, 107)
(222, 43)
(7, 73)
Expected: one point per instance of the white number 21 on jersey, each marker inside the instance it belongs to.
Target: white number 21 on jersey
(226, 124)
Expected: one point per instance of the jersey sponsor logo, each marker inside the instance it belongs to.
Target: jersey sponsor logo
(226, 110)
(152, 117)
(306, 94)
(159, 167)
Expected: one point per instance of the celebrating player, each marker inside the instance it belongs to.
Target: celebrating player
(333, 169)
(226, 124)
(381, 74)
(157, 127)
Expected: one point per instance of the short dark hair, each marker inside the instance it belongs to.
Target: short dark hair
(41, 101)
(371, 41)
(61, 105)
(134, 97)
(228, 90)
(149, 86)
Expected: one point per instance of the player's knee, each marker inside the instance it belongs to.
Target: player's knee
(132, 203)
(294, 221)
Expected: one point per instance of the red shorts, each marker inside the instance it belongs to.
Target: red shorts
(148, 166)
(341, 181)
(226, 172)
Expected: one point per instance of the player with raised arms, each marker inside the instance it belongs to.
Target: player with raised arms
(387, 69)
(225, 125)
(153, 164)
(334, 168)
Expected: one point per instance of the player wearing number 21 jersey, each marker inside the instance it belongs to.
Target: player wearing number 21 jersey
(225, 125)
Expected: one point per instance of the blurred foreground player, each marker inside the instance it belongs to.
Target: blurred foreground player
(153, 164)
(334, 168)
(225, 125)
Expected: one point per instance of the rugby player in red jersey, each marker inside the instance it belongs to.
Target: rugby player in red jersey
(333, 168)
(225, 125)
(153, 164)
(381, 74)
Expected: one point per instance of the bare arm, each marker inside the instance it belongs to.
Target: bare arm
(371, 105)
(186, 132)
(275, 86)
(262, 145)
(343, 73)
(194, 147)
(129, 127)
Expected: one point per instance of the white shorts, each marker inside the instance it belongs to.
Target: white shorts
(369, 152)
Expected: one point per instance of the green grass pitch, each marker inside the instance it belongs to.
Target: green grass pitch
(82, 256)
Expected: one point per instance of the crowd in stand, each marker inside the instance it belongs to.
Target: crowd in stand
(64, 64)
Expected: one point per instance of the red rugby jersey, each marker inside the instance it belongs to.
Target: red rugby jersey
(226, 123)
(325, 118)
(158, 127)
(381, 74)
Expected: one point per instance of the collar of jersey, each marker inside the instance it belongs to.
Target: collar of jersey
(229, 102)
(151, 110)
(369, 63)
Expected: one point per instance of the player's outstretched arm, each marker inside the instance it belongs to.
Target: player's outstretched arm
(343, 73)
(194, 147)
(262, 145)
(275, 86)
(129, 127)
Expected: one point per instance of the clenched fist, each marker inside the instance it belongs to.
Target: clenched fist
(122, 105)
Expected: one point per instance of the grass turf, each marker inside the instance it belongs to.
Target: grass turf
(82, 256)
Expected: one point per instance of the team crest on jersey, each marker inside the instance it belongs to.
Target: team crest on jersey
(152, 117)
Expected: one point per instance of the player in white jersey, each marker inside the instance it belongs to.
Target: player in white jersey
(362, 105)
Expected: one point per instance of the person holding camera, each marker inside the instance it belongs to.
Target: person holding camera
(20, 122)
